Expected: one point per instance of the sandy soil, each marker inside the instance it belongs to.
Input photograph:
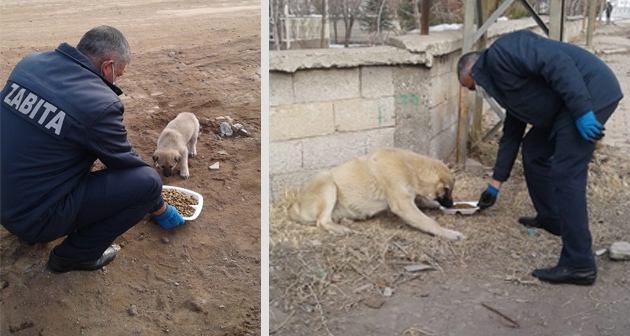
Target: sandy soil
(202, 278)
(356, 285)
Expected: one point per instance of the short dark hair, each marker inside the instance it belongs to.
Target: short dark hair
(104, 43)
(465, 62)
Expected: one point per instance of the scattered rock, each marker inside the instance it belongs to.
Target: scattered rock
(620, 251)
(222, 152)
(171, 54)
(132, 310)
(116, 247)
(600, 251)
(193, 306)
(474, 167)
(418, 268)
(165, 240)
(215, 166)
(362, 288)
(374, 301)
(387, 292)
(237, 127)
(226, 129)
(244, 132)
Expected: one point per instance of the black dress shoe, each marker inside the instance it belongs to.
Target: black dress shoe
(563, 274)
(534, 223)
(59, 264)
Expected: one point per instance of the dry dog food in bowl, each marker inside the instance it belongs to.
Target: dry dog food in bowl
(187, 202)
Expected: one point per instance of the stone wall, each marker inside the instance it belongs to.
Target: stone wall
(330, 105)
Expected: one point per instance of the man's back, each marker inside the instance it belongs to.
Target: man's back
(52, 106)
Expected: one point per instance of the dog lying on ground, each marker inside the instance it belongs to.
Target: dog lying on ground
(177, 141)
(388, 178)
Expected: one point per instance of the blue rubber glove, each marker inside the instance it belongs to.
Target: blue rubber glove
(169, 218)
(488, 197)
(590, 129)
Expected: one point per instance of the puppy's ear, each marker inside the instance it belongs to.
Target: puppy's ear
(155, 158)
(177, 158)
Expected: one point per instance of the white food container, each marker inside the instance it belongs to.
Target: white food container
(452, 211)
(197, 196)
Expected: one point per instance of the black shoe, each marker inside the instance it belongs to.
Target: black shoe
(567, 275)
(59, 264)
(534, 223)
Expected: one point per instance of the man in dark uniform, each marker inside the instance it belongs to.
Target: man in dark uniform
(60, 112)
(566, 94)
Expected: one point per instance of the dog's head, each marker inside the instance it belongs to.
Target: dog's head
(444, 189)
(166, 160)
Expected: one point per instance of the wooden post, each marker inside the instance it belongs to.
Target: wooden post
(461, 151)
(477, 115)
(592, 13)
(556, 19)
(426, 8)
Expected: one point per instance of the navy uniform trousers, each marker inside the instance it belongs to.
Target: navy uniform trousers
(114, 201)
(555, 162)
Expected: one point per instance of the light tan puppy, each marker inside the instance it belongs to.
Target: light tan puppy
(177, 141)
(388, 178)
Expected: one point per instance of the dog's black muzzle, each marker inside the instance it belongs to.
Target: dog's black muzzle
(445, 201)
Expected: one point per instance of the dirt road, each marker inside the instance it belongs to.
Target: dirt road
(202, 278)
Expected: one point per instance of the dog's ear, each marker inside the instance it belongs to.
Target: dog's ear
(155, 158)
(177, 158)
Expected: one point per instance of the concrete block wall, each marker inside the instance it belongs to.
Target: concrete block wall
(328, 106)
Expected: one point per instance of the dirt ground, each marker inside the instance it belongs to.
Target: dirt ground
(202, 278)
(356, 285)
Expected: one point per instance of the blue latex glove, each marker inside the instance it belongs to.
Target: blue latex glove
(488, 197)
(169, 218)
(590, 129)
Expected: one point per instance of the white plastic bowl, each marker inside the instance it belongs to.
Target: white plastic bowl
(452, 211)
(197, 196)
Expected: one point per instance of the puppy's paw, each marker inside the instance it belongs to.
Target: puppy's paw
(453, 235)
(184, 174)
(192, 154)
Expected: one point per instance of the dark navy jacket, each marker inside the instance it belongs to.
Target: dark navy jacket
(535, 79)
(58, 115)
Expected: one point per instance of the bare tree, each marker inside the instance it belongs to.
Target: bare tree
(350, 12)
(335, 10)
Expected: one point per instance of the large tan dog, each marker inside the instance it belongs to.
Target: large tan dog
(177, 141)
(388, 178)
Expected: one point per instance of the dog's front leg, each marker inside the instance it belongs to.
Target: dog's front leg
(332, 227)
(183, 171)
(406, 209)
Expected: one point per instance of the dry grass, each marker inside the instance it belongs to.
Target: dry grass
(312, 267)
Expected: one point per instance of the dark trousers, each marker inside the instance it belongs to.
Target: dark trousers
(555, 161)
(114, 201)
